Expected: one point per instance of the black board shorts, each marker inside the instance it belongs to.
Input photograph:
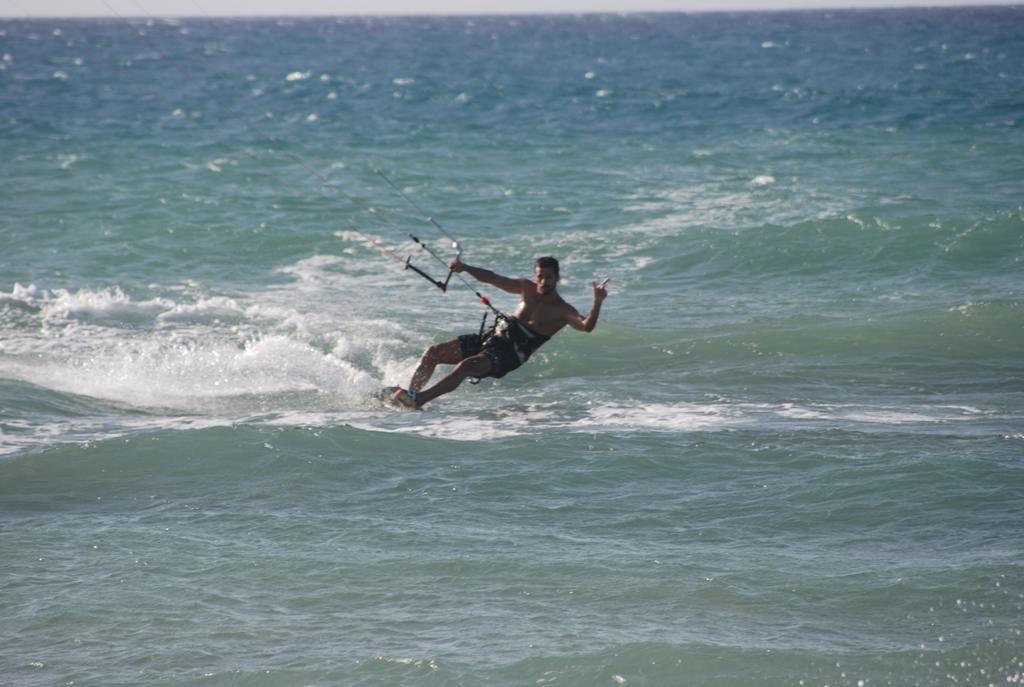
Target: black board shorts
(499, 350)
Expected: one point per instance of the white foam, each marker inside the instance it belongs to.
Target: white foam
(791, 410)
(454, 422)
(887, 415)
(728, 203)
(193, 351)
(200, 376)
(68, 160)
(873, 414)
(660, 416)
(216, 309)
(311, 268)
(18, 292)
(466, 427)
(459, 423)
(62, 304)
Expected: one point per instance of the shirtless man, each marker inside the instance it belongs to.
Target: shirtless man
(541, 313)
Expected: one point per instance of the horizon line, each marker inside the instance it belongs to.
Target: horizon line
(739, 8)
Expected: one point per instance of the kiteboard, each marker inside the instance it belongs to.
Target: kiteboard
(386, 397)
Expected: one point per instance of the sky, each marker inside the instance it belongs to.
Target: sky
(185, 8)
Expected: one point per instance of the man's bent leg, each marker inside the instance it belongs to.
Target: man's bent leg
(447, 353)
(474, 366)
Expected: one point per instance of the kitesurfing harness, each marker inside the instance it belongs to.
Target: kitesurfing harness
(523, 339)
(507, 343)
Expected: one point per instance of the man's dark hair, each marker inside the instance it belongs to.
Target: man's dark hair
(548, 261)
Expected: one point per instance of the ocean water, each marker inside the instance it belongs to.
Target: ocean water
(792, 453)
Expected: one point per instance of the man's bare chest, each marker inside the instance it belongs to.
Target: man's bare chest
(543, 318)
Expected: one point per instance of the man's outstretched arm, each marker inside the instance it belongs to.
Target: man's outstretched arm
(489, 277)
(587, 324)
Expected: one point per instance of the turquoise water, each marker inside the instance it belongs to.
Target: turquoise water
(790, 454)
